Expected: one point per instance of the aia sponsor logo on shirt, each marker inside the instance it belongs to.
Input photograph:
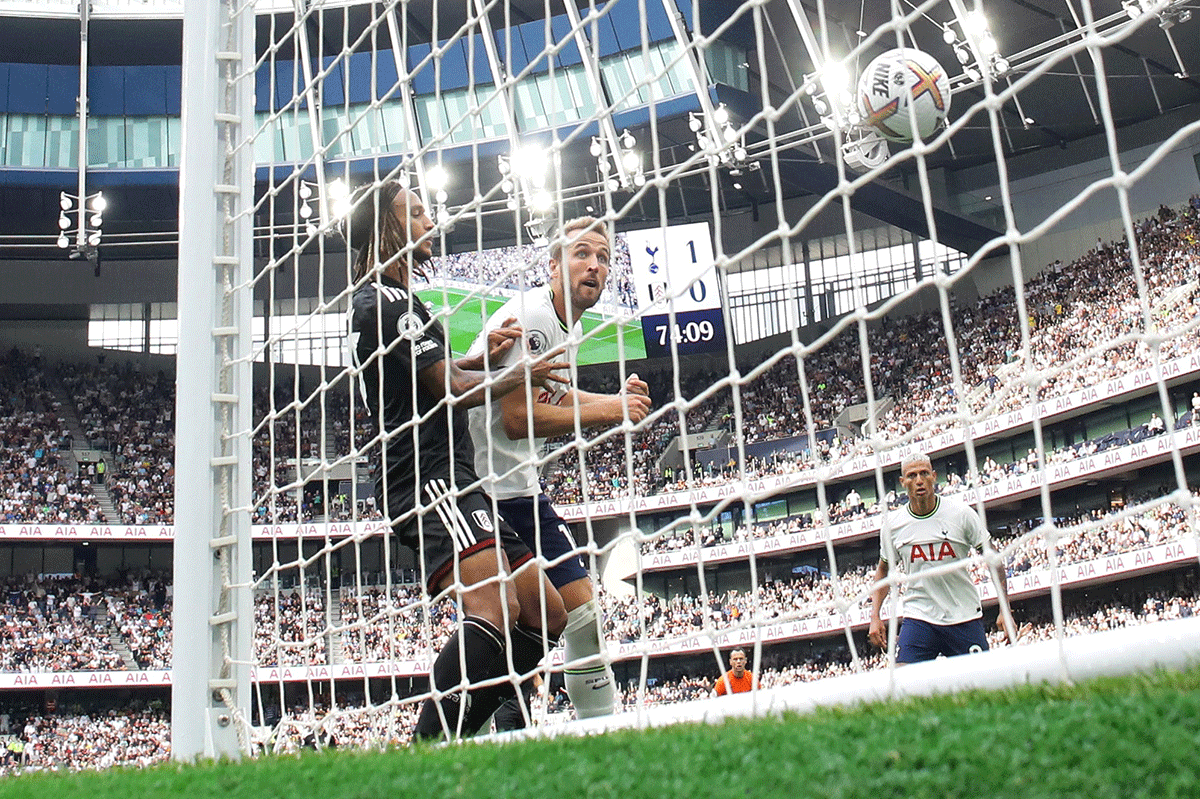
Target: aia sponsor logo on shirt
(931, 552)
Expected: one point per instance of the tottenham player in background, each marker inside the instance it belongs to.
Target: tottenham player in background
(427, 458)
(942, 614)
(506, 443)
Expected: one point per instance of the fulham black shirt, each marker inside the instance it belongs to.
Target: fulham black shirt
(393, 335)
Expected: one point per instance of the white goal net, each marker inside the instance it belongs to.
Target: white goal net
(836, 235)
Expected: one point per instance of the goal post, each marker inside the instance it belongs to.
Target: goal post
(213, 618)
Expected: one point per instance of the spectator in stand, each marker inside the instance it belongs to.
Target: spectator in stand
(1156, 426)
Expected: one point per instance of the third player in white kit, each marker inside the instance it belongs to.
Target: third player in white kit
(942, 613)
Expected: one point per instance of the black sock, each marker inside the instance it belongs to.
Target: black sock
(484, 655)
(527, 644)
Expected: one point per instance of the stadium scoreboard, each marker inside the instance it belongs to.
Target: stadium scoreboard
(678, 298)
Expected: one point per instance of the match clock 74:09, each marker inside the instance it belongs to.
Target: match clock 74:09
(691, 332)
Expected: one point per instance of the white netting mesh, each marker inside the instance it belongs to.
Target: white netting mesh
(807, 304)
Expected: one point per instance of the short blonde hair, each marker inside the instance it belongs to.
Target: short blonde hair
(583, 223)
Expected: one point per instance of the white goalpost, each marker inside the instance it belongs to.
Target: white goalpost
(807, 296)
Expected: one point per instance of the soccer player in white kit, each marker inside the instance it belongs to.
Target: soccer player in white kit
(505, 444)
(942, 614)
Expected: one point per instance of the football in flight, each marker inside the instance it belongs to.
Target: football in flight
(902, 93)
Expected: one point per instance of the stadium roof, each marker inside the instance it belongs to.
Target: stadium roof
(1146, 78)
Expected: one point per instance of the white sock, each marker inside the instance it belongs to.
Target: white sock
(588, 676)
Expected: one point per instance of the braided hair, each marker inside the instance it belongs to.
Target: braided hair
(373, 229)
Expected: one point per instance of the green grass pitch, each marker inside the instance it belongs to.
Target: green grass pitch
(601, 347)
(1135, 736)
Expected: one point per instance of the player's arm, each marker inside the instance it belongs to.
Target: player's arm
(1000, 581)
(998, 573)
(499, 341)
(468, 384)
(595, 410)
(878, 631)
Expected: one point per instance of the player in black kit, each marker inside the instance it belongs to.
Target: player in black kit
(428, 459)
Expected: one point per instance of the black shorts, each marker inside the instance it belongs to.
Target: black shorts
(457, 528)
(530, 516)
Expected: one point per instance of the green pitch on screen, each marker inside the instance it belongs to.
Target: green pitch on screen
(468, 318)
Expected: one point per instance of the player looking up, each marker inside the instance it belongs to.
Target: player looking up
(509, 434)
(418, 396)
(942, 614)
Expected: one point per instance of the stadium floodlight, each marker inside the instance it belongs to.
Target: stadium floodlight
(531, 162)
(835, 78)
(339, 198)
(437, 178)
(541, 202)
(975, 23)
(89, 216)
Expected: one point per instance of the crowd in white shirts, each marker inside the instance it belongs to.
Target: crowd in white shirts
(50, 624)
(140, 736)
(1092, 618)
(39, 481)
(67, 623)
(1083, 320)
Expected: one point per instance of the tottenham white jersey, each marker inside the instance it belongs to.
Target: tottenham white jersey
(509, 472)
(921, 543)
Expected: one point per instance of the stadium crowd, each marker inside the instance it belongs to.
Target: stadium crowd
(67, 624)
(1084, 620)
(131, 415)
(1083, 318)
(50, 624)
(850, 506)
(39, 481)
(140, 736)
